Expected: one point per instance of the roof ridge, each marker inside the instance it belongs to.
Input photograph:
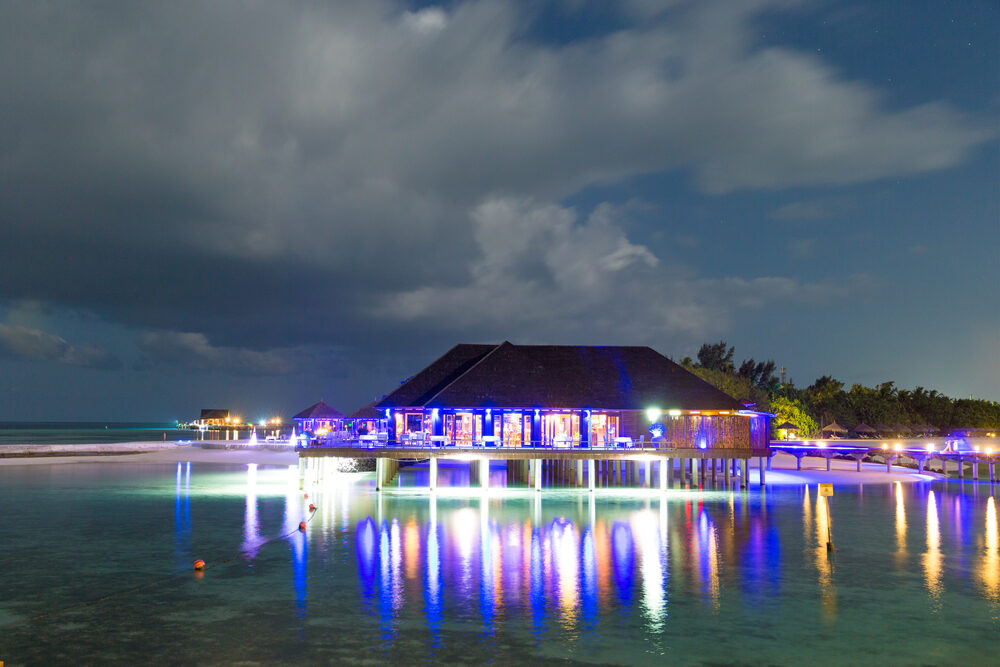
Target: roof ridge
(468, 370)
(411, 377)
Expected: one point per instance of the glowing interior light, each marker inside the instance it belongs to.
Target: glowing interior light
(675, 413)
(989, 450)
(976, 447)
(930, 446)
(652, 414)
(897, 446)
(821, 445)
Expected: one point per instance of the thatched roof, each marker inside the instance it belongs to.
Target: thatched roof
(557, 376)
(319, 411)
(787, 426)
(367, 412)
(863, 428)
(834, 428)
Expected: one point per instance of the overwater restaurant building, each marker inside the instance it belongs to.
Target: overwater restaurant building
(567, 396)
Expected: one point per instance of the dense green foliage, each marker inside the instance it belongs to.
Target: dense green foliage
(827, 400)
(792, 410)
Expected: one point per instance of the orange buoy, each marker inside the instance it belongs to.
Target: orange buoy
(199, 564)
(312, 508)
(302, 526)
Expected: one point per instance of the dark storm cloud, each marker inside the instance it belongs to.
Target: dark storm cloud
(284, 174)
(193, 351)
(34, 345)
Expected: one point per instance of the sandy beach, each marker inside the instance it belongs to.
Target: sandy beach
(143, 452)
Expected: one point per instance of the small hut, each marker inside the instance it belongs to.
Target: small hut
(863, 430)
(834, 430)
(320, 419)
(787, 431)
(367, 420)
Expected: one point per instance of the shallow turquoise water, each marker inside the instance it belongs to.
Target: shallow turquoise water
(689, 577)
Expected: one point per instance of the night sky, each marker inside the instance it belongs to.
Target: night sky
(258, 205)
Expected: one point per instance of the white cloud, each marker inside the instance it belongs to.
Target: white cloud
(800, 210)
(428, 20)
(349, 141)
(542, 273)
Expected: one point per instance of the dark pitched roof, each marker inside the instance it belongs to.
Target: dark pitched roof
(863, 428)
(214, 413)
(319, 411)
(565, 376)
(787, 426)
(367, 412)
(425, 384)
(834, 427)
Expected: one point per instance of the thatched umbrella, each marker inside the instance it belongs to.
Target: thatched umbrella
(833, 429)
(864, 430)
(787, 430)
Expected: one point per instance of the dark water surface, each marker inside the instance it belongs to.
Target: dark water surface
(640, 578)
(71, 433)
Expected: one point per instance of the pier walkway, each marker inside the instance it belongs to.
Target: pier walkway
(923, 453)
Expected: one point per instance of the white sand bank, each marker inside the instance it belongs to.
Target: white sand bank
(146, 452)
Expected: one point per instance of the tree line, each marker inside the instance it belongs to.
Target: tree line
(827, 400)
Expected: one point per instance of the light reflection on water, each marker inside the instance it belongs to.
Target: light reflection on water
(601, 577)
(932, 558)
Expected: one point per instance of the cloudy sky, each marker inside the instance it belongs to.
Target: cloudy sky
(256, 205)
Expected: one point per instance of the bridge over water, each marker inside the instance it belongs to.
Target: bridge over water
(953, 454)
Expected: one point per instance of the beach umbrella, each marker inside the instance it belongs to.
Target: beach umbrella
(834, 427)
(787, 426)
(864, 430)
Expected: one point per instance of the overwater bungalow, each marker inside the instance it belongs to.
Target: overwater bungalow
(213, 418)
(367, 421)
(566, 397)
(319, 419)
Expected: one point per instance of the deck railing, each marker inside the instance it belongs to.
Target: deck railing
(465, 446)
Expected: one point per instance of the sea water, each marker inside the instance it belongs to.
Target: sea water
(506, 578)
(62, 433)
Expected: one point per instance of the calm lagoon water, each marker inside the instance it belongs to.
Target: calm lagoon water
(62, 433)
(688, 577)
